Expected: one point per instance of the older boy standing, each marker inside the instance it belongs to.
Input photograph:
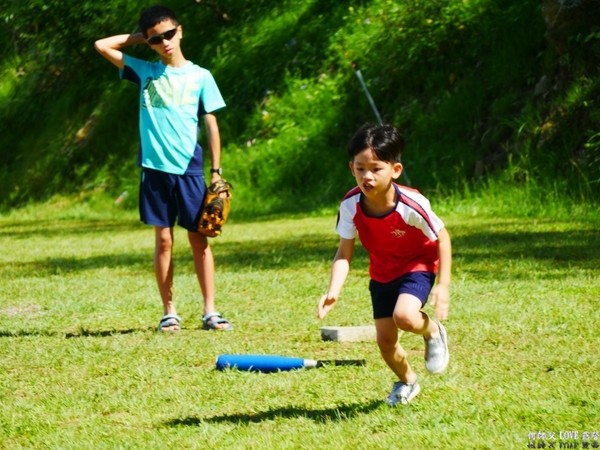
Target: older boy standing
(174, 93)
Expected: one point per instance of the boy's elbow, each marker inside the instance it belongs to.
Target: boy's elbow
(98, 46)
(102, 46)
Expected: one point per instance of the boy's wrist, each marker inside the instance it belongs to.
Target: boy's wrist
(136, 38)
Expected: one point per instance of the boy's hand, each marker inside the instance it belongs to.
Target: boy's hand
(440, 298)
(326, 304)
(110, 47)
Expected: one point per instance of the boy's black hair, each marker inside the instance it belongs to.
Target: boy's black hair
(385, 140)
(155, 14)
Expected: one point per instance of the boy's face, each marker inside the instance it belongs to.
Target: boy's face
(164, 38)
(373, 175)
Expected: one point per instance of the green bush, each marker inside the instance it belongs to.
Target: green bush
(475, 86)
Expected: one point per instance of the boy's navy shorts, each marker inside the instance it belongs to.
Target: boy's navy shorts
(165, 197)
(385, 295)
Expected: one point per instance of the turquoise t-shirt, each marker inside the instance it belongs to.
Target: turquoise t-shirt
(171, 100)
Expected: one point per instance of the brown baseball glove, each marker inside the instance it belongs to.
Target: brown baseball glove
(215, 210)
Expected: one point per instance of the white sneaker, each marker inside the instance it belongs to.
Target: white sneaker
(403, 393)
(437, 355)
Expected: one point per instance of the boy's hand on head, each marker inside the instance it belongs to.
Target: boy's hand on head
(440, 298)
(326, 304)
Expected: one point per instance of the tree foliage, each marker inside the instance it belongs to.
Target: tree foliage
(477, 86)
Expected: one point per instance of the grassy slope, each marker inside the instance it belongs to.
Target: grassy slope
(84, 368)
(459, 77)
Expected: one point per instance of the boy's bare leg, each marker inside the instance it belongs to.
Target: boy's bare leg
(205, 270)
(163, 266)
(409, 317)
(391, 351)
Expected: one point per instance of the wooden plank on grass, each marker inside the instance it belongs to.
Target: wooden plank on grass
(348, 334)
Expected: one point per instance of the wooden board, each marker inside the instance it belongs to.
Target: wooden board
(348, 334)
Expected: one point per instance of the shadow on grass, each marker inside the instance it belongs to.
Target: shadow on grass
(73, 264)
(566, 250)
(266, 254)
(74, 334)
(106, 333)
(59, 228)
(336, 414)
(277, 253)
(474, 246)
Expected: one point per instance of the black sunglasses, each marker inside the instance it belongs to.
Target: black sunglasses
(168, 35)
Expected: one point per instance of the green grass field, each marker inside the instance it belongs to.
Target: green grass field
(83, 367)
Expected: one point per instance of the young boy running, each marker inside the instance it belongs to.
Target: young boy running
(174, 94)
(407, 245)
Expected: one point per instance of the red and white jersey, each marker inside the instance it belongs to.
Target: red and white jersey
(402, 241)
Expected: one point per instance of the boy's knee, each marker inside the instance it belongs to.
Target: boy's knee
(387, 345)
(164, 242)
(198, 241)
(404, 321)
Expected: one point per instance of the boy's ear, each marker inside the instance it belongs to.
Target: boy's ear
(351, 165)
(397, 170)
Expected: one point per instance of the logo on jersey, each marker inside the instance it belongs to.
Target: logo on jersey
(398, 233)
(163, 93)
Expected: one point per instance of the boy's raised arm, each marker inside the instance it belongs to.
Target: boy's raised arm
(110, 47)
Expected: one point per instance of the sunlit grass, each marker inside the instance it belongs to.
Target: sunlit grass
(83, 366)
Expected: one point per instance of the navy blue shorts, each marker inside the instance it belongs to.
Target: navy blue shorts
(165, 197)
(385, 295)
